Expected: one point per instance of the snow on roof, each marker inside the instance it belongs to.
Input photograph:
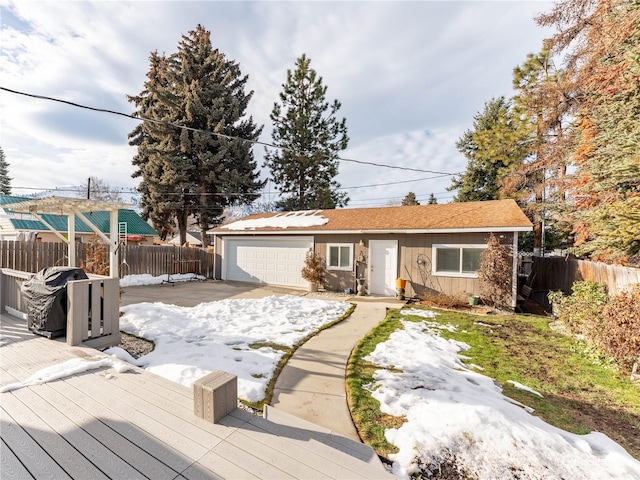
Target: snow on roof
(309, 218)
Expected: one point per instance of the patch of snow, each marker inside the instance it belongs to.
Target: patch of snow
(524, 387)
(308, 218)
(419, 312)
(482, 324)
(450, 409)
(191, 342)
(60, 370)
(123, 355)
(147, 279)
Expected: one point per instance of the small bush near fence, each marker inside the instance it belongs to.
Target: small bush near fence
(580, 312)
(96, 258)
(620, 336)
(611, 324)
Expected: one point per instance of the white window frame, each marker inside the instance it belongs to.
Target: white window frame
(460, 247)
(339, 245)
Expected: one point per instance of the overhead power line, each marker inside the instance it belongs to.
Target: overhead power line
(221, 135)
(392, 183)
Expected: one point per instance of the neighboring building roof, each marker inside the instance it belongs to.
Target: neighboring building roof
(193, 238)
(495, 215)
(24, 221)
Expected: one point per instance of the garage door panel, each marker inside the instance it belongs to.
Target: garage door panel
(276, 262)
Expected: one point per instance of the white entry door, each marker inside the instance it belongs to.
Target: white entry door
(383, 267)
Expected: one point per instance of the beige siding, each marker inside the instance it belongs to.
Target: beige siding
(416, 262)
(339, 280)
(411, 249)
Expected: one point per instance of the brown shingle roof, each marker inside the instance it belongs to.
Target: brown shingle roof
(495, 215)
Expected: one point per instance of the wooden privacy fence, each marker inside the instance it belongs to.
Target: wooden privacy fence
(559, 273)
(161, 260)
(32, 256)
(155, 260)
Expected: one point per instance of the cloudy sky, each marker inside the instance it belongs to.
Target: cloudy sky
(410, 77)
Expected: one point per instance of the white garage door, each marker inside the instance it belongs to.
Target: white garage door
(276, 261)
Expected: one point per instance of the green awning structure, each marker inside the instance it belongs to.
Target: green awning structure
(91, 213)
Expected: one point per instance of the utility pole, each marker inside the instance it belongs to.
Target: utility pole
(89, 188)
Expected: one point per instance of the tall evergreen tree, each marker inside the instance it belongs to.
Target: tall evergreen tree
(492, 147)
(601, 42)
(544, 103)
(432, 200)
(198, 170)
(309, 137)
(410, 199)
(5, 180)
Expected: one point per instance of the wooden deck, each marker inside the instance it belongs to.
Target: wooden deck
(104, 424)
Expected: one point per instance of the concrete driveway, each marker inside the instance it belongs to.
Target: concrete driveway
(189, 294)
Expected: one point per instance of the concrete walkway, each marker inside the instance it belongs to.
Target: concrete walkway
(312, 384)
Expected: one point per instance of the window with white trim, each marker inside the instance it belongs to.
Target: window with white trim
(340, 256)
(452, 260)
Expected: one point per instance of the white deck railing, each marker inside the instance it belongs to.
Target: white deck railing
(93, 317)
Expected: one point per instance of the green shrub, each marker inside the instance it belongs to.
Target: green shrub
(581, 312)
(620, 333)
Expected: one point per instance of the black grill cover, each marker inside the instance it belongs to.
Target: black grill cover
(45, 295)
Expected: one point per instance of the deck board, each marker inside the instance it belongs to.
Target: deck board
(108, 424)
(30, 453)
(12, 468)
(57, 446)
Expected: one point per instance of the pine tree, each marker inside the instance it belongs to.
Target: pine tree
(432, 200)
(309, 138)
(544, 103)
(158, 200)
(5, 180)
(601, 43)
(410, 199)
(200, 170)
(492, 147)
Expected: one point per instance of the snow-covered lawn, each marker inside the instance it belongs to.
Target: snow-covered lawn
(240, 336)
(453, 412)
